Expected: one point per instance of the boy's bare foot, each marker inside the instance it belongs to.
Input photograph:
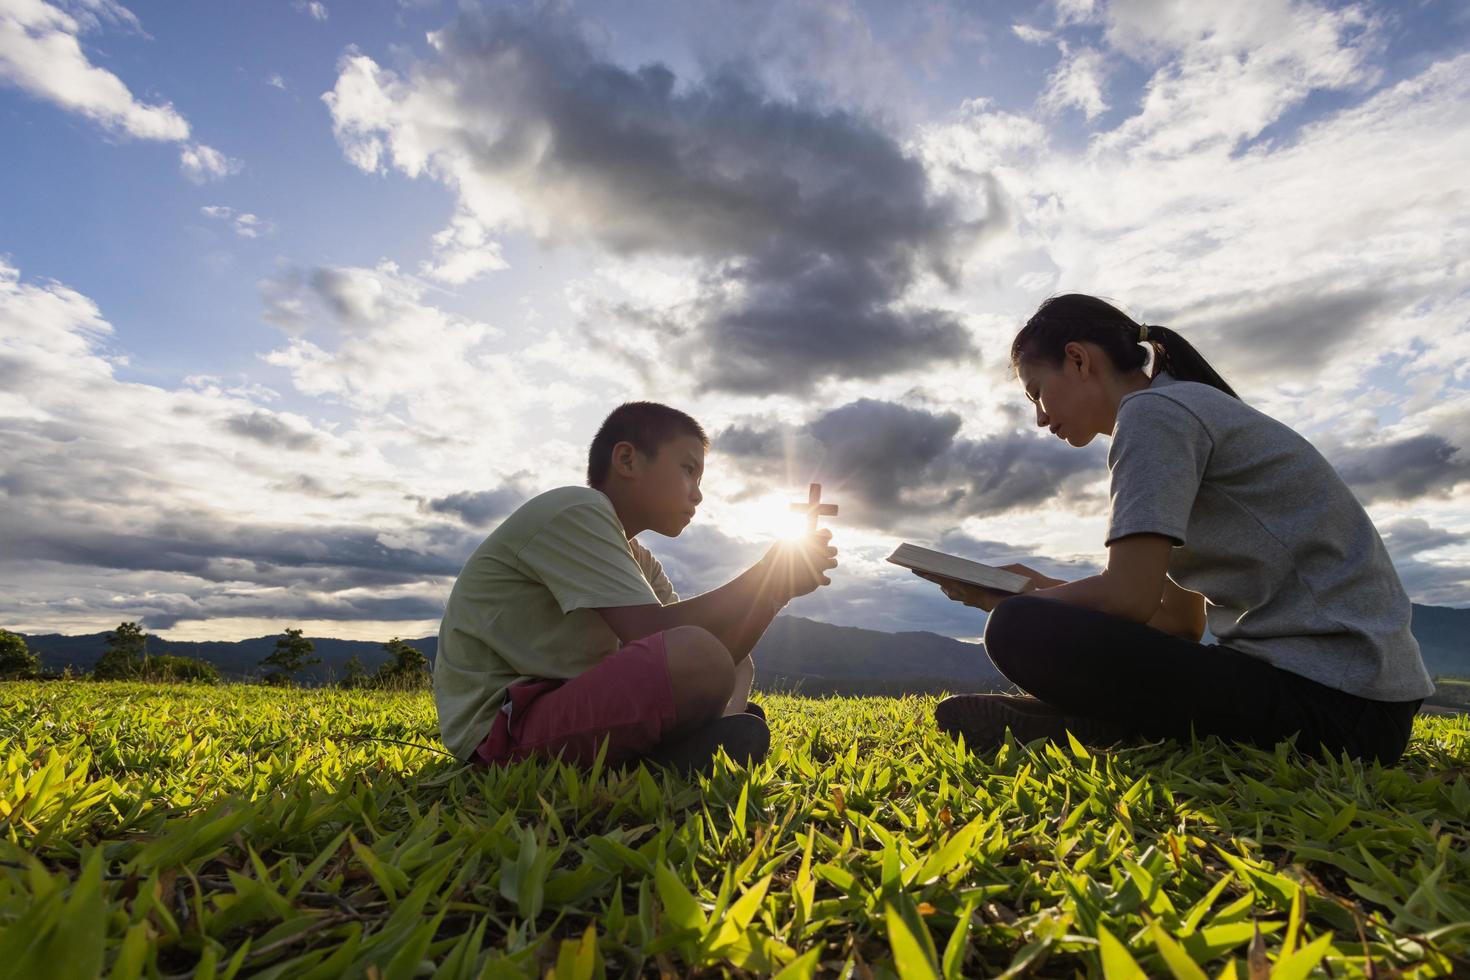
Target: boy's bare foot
(744, 737)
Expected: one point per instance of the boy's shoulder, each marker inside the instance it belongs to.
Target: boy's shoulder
(534, 514)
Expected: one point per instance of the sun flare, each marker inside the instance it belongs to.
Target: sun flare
(772, 516)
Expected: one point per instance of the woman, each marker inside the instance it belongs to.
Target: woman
(1220, 514)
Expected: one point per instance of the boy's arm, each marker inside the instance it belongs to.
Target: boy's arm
(739, 611)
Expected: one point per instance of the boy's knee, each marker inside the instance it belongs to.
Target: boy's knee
(700, 667)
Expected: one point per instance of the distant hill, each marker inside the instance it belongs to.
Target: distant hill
(1444, 639)
(795, 655)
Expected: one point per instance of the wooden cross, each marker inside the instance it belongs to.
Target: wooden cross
(814, 507)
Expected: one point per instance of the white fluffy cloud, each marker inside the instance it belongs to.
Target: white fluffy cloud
(41, 53)
(124, 500)
(202, 164)
(1078, 83)
(245, 224)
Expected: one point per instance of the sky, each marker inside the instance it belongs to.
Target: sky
(299, 299)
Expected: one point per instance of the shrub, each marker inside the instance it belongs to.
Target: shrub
(17, 662)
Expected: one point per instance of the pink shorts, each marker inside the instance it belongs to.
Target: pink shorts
(626, 699)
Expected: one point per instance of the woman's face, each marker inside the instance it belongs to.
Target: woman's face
(1065, 395)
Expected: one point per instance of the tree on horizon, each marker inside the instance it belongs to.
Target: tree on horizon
(355, 675)
(292, 654)
(17, 662)
(126, 654)
(409, 668)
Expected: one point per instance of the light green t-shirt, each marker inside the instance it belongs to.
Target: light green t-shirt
(524, 606)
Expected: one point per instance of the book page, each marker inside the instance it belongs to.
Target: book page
(960, 569)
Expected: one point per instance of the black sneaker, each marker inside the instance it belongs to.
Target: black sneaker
(751, 708)
(984, 718)
(744, 737)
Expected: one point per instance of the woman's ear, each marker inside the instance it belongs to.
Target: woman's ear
(1077, 357)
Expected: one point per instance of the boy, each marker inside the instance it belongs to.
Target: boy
(562, 630)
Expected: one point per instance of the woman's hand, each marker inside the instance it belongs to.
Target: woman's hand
(1039, 580)
(971, 595)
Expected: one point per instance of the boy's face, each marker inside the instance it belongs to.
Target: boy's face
(667, 488)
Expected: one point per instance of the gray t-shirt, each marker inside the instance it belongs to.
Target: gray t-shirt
(1290, 565)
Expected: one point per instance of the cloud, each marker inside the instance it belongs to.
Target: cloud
(312, 8)
(892, 463)
(200, 493)
(1403, 469)
(367, 338)
(464, 251)
(1228, 71)
(1031, 35)
(812, 225)
(478, 508)
(269, 429)
(1077, 83)
(41, 53)
(1289, 327)
(1428, 581)
(274, 80)
(202, 164)
(245, 224)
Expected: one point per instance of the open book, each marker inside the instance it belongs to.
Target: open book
(955, 567)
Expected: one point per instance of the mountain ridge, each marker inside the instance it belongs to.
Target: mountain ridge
(796, 654)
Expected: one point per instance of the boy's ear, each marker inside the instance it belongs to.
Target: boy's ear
(625, 459)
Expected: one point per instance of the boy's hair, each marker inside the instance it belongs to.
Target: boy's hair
(647, 425)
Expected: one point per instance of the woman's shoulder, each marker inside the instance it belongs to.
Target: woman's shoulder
(1167, 393)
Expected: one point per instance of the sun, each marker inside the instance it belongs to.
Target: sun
(772, 516)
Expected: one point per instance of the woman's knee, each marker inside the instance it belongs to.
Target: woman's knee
(1012, 626)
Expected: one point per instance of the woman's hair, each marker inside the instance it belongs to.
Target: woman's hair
(1075, 316)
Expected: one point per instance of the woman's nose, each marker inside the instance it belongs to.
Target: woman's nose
(1041, 418)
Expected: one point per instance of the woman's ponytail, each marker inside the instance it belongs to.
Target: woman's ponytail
(1177, 356)
(1077, 317)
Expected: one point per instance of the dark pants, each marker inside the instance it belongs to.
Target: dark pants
(1161, 686)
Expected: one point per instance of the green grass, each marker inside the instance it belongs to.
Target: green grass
(246, 831)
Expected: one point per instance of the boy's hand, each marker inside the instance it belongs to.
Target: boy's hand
(973, 595)
(795, 568)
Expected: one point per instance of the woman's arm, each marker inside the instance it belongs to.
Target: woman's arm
(1181, 613)
(1131, 587)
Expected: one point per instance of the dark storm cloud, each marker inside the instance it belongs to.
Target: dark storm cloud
(477, 508)
(1411, 535)
(1432, 582)
(330, 559)
(313, 487)
(813, 222)
(270, 430)
(1291, 328)
(890, 461)
(1405, 469)
(163, 612)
